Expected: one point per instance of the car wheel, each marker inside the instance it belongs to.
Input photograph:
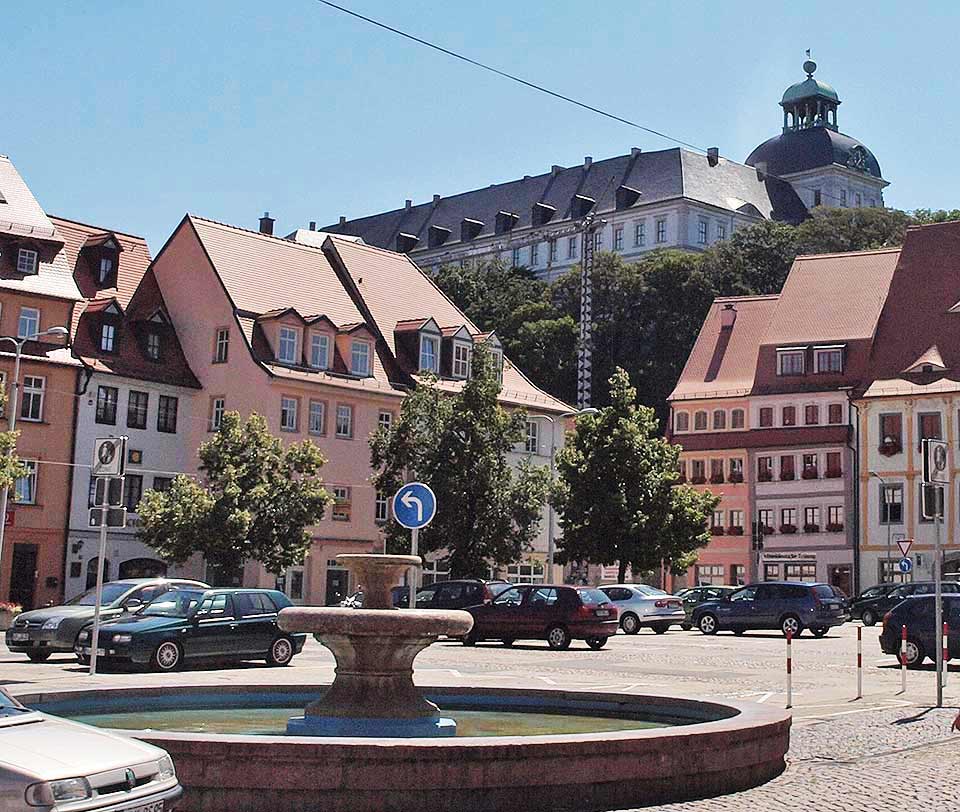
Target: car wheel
(660, 628)
(469, 639)
(630, 623)
(38, 656)
(915, 654)
(596, 643)
(738, 632)
(507, 641)
(818, 631)
(281, 652)
(167, 657)
(791, 624)
(707, 623)
(558, 638)
(686, 626)
(869, 618)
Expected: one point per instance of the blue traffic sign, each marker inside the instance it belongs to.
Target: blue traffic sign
(905, 565)
(414, 505)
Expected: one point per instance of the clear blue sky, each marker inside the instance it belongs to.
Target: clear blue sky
(129, 114)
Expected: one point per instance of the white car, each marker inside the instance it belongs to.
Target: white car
(49, 764)
(640, 605)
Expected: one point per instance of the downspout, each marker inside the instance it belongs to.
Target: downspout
(854, 434)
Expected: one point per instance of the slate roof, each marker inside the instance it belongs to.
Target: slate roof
(658, 176)
(810, 148)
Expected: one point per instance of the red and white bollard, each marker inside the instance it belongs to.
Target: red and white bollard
(789, 671)
(903, 659)
(946, 653)
(859, 662)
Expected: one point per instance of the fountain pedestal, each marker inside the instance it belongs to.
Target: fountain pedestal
(373, 693)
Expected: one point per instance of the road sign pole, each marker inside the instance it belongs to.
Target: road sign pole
(938, 592)
(859, 662)
(414, 545)
(95, 635)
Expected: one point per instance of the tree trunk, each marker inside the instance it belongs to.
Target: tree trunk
(621, 571)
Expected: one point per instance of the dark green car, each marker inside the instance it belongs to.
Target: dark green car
(696, 595)
(189, 625)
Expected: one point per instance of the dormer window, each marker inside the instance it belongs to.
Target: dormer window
(153, 346)
(791, 361)
(360, 358)
(27, 260)
(461, 360)
(108, 337)
(429, 353)
(828, 360)
(287, 345)
(106, 269)
(320, 351)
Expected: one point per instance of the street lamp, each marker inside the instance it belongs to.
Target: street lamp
(15, 389)
(887, 494)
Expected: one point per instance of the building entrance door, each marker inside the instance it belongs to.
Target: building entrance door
(23, 575)
(338, 581)
(840, 577)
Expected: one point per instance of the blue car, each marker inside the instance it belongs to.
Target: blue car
(788, 606)
(189, 625)
(918, 614)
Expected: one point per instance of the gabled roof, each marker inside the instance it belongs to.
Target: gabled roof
(20, 213)
(110, 305)
(107, 238)
(931, 359)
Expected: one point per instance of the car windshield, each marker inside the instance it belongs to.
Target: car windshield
(873, 592)
(823, 591)
(590, 596)
(89, 598)
(173, 603)
(10, 707)
(643, 589)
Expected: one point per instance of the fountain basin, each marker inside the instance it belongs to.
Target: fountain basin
(710, 748)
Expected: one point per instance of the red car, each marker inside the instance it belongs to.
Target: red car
(557, 614)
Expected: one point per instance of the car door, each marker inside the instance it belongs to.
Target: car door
(256, 622)
(449, 595)
(539, 612)
(738, 611)
(212, 630)
(501, 617)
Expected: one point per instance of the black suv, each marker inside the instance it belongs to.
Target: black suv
(918, 615)
(459, 594)
(872, 610)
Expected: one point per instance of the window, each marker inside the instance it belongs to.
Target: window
(107, 405)
(719, 419)
(788, 416)
(27, 261)
(341, 503)
(153, 346)
(716, 471)
(765, 469)
(29, 324)
(810, 468)
(891, 434)
(835, 414)
(737, 419)
(461, 360)
(811, 520)
(162, 484)
(106, 267)
(221, 348)
(736, 519)
(3, 389)
(930, 427)
(700, 421)
(25, 488)
(317, 419)
(167, 414)
(345, 421)
(598, 241)
(800, 572)
(811, 415)
(381, 508)
(790, 362)
(721, 231)
(532, 442)
(640, 234)
(843, 197)
(516, 258)
(736, 469)
(429, 356)
(834, 466)
(698, 472)
(858, 199)
(132, 491)
(702, 231)
(738, 577)
(788, 518)
(765, 517)
(787, 471)
(534, 255)
(835, 518)
(385, 420)
(618, 238)
(528, 573)
(360, 358)
(661, 231)
(288, 345)
(31, 407)
(709, 574)
(288, 414)
(216, 412)
(766, 417)
(497, 356)
(891, 504)
(682, 469)
(108, 335)
(816, 197)
(771, 572)
(137, 403)
(572, 248)
(828, 361)
(552, 250)
(682, 421)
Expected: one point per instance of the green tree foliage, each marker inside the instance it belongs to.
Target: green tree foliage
(830, 231)
(617, 496)
(11, 468)
(487, 511)
(255, 501)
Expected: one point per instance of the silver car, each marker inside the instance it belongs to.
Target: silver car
(49, 764)
(641, 605)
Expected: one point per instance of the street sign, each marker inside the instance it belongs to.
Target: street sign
(115, 517)
(414, 505)
(905, 565)
(109, 456)
(935, 469)
(931, 499)
(108, 492)
(904, 545)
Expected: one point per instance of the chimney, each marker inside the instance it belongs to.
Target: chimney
(587, 161)
(635, 151)
(436, 199)
(728, 315)
(266, 224)
(713, 156)
(556, 169)
(343, 220)
(407, 204)
(313, 225)
(761, 167)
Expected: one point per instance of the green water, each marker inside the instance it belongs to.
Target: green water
(273, 722)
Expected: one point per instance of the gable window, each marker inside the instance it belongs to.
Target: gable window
(811, 415)
(618, 238)
(27, 261)
(320, 351)
(682, 421)
(107, 405)
(31, 407)
(317, 423)
(288, 414)
(106, 269)
(790, 362)
(360, 358)
(719, 419)
(461, 360)
(835, 414)
(532, 441)
(137, 403)
(341, 504)
(385, 421)
(153, 346)
(700, 421)
(891, 434)
(167, 414)
(702, 232)
(828, 360)
(766, 417)
(661, 231)
(789, 416)
(429, 357)
(640, 234)
(25, 488)
(28, 324)
(288, 345)
(221, 345)
(737, 419)
(108, 337)
(572, 248)
(345, 421)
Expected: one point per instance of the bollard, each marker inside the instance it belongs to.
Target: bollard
(903, 659)
(859, 662)
(946, 653)
(789, 672)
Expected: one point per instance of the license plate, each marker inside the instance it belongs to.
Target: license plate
(603, 612)
(156, 806)
(19, 637)
(102, 652)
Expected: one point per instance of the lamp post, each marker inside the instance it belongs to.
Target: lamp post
(886, 500)
(15, 389)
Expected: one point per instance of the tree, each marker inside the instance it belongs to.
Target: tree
(617, 496)
(487, 511)
(255, 501)
(835, 230)
(11, 468)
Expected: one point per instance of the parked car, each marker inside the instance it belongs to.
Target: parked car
(459, 594)
(194, 624)
(639, 605)
(917, 613)
(49, 764)
(873, 609)
(695, 595)
(557, 614)
(42, 632)
(785, 605)
(863, 602)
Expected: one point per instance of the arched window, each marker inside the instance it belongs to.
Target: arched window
(142, 568)
(700, 421)
(92, 572)
(719, 419)
(737, 419)
(682, 421)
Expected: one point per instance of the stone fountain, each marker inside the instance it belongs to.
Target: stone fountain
(373, 693)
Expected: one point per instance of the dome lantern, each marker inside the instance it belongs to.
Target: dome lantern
(810, 103)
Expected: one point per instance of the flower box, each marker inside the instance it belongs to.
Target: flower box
(835, 528)
(833, 474)
(698, 480)
(716, 479)
(768, 531)
(811, 528)
(716, 531)
(788, 528)
(786, 476)
(736, 478)
(889, 449)
(809, 473)
(734, 530)
(765, 476)
(8, 611)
